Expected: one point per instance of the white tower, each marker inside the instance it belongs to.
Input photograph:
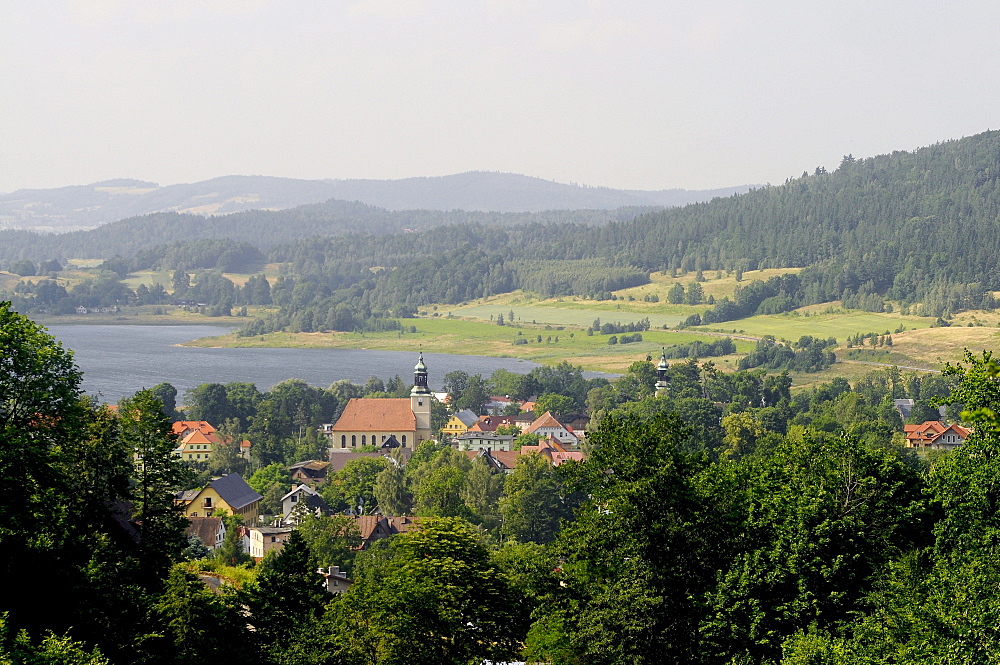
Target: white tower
(420, 401)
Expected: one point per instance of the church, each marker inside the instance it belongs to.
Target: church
(380, 421)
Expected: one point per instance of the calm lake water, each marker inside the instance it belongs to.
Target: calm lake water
(119, 360)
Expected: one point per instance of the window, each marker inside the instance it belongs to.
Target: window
(295, 497)
(363, 440)
(354, 440)
(208, 502)
(343, 440)
(404, 439)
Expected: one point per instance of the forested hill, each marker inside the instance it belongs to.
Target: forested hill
(893, 219)
(86, 206)
(917, 228)
(267, 228)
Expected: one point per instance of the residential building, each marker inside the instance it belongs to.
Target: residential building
(474, 440)
(935, 435)
(546, 425)
(459, 423)
(310, 472)
(230, 494)
(302, 500)
(264, 539)
(211, 531)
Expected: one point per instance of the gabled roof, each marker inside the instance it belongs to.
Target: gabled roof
(467, 417)
(369, 525)
(339, 459)
(501, 460)
(560, 457)
(378, 414)
(492, 423)
(310, 468)
(931, 430)
(545, 420)
(182, 426)
(206, 528)
(402, 524)
(300, 489)
(199, 436)
(235, 491)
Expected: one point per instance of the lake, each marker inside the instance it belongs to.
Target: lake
(118, 360)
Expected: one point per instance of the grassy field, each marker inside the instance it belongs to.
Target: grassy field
(830, 321)
(465, 337)
(555, 328)
(578, 313)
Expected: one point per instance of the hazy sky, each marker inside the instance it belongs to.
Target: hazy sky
(630, 94)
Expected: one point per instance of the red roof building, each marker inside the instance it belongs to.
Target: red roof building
(935, 435)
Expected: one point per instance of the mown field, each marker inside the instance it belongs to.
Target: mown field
(554, 330)
(469, 337)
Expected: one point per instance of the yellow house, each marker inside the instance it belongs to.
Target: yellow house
(460, 423)
(230, 494)
(197, 446)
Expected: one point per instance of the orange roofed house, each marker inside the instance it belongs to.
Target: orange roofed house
(935, 435)
(370, 422)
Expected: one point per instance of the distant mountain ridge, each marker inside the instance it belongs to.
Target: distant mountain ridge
(80, 207)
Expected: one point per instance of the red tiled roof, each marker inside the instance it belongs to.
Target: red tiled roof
(545, 420)
(506, 457)
(199, 436)
(930, 430)
(558, 458)
(382, 414)
(367, 524)
(492, 423)
(402, 524)
(182, 426)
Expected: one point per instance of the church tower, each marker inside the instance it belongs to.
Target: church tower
(661, 374)
(420, 400)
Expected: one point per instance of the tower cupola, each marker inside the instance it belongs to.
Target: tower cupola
(661, 373)
(420, 378)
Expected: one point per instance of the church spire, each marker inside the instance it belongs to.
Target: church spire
(661, 373)
(420, 377)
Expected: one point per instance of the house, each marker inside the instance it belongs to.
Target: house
(372, 528)
(493, 423)
(302, 499)
(474, 440)
(338, 460)
(230, 494)
(554, 450)
(459, 423)
(335, 581)
(371, 421)
(498, 403)
(500, 461)
(524, 419)
(377, 527)
(935, 435)
(182, 428)
(546, 425)
(264, 539)
(210, 530)
(311, 472)
(575, 422)
(197, 446)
